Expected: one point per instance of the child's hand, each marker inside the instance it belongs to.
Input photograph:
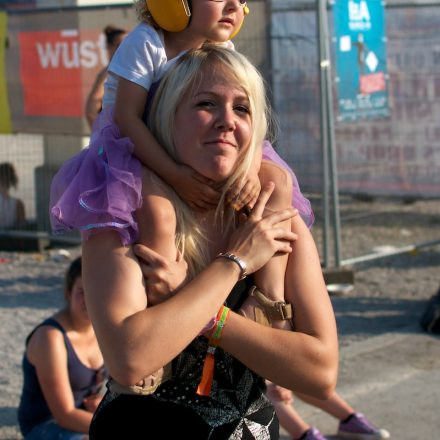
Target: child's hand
(195, 189)
(245, 192)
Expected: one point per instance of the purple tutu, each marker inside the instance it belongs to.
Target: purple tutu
(298, 200)
(100, 187)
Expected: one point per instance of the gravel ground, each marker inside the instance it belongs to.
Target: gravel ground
(389, 294)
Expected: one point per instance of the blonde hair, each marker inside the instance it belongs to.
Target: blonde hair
(144, 14)
(183, 78)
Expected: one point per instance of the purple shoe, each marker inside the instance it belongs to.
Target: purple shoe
(358, 427)
(313, 434)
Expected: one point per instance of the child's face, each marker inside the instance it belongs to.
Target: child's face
(216, 20)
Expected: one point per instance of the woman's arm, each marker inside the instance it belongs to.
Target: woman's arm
(306, 359)
(94, 99)
(47, 352)
(137, 341)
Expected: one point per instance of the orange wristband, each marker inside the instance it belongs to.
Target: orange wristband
(205, 385)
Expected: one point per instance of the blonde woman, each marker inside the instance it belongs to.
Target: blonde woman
(210, 113)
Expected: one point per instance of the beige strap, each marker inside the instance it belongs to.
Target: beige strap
(149, 385)
(275, 310)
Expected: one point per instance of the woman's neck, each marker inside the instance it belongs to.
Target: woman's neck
(75, 323)
(177, 42)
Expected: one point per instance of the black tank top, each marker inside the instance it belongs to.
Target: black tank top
(236, 408)
(84, 381)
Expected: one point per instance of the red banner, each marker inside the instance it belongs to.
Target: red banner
(51, 66)
(52, 60)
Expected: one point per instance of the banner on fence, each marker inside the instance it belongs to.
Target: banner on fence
(54, 65)
(360, 54)
(5, 116)
(52, 62)
(394, 156)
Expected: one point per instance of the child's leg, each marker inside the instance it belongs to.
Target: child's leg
(289, 418)
(157, 224)
(335, 405)
(157, 217)
(156, 214)
(270, 278)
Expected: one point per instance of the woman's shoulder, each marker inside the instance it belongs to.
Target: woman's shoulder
(47, 337)
(152, 184)
(52, 324)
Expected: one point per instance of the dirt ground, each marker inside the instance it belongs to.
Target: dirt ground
(389, 293)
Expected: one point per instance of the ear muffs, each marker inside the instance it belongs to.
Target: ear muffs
(170, 15)
(174, 15)
(246, 12)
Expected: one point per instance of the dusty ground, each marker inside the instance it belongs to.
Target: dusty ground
(389, 294)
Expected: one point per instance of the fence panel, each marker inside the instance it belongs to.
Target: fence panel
(399, 155)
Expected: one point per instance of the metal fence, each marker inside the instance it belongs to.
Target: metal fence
(398, 156)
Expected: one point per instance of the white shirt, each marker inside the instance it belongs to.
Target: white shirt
(141, 58)
(8, 211)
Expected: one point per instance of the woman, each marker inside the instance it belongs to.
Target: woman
(210, 112)
(12, 214)
(113, 38)
(63, 370)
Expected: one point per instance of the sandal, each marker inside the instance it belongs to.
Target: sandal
(266, 311)
(147, 386)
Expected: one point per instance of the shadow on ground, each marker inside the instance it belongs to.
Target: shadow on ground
(374, 316)
(8, 415)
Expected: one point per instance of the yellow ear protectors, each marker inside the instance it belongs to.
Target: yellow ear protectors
(174, 15)
(246, 12)
(170, 15)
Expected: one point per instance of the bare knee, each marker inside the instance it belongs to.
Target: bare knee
(282, 195)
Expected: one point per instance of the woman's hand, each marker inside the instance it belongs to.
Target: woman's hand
(92, 401)
(259, 238)
(162, 277)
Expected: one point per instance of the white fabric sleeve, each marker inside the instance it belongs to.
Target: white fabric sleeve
(139, 56)
(229, 45)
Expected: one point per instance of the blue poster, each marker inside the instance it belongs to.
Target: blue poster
(360, 52)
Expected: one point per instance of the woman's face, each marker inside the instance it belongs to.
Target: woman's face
(213, 125)
(116, 42)
(76, 299)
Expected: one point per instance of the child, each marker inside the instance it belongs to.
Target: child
(352, 425)
(101, 186)
(12, 213)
